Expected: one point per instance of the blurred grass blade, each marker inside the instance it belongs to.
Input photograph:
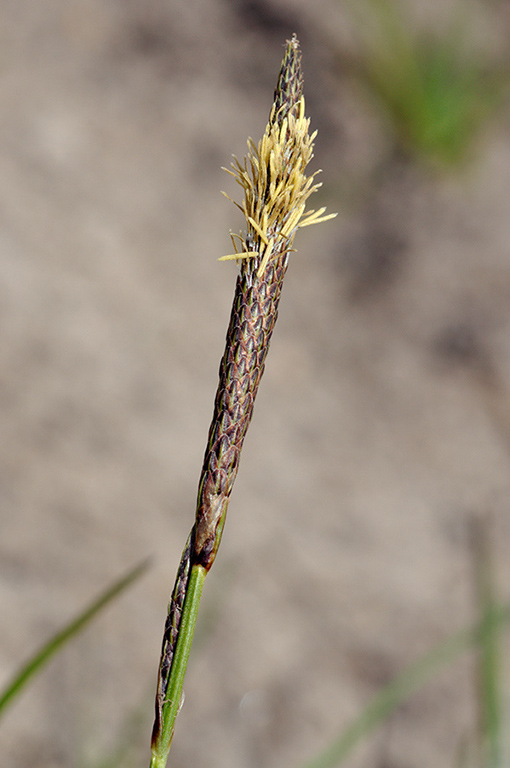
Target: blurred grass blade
(490, 700)
(404, 685)
(436, 91)
(58, 641)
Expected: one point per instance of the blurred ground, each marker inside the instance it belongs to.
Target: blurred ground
(381, 429)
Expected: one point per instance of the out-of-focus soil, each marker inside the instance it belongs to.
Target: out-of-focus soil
(381, 431)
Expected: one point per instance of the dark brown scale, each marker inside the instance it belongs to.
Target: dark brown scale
(251, 325)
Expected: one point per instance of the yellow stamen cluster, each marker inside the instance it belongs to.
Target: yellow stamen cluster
(276, 189)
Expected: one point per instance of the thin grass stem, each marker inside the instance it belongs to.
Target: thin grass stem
(174, 694)
(490, 699)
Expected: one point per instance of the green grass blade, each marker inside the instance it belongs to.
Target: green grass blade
(58, 641)
(403, 686)
(490, 699)
(490, 695)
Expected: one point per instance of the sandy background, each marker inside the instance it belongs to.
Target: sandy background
(382, 428)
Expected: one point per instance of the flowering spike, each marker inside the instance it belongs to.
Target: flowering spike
(273, 177)
(276, 189)
(275, 193)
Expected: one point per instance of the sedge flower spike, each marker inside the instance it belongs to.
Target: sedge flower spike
(273, 177)
(276, 190)
(275, 193)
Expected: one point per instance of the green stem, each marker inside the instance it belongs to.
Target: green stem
(172, 704)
